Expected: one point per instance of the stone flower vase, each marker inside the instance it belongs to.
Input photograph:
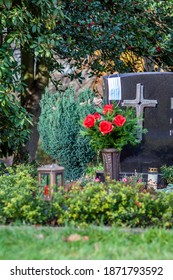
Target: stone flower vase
(111, 162)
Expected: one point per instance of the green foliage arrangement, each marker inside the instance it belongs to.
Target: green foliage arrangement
(59, 128)
(112, 127)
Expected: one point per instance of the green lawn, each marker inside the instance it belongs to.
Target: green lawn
(47, 243)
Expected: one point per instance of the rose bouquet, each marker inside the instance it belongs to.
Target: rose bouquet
(112, 127)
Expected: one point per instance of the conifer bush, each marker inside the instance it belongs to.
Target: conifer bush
(59, 128)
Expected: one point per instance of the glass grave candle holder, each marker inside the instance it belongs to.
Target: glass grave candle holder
(50, 176)
(152, 178)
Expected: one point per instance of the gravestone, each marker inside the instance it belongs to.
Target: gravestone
(151, 94)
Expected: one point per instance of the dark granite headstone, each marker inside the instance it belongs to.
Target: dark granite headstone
(151, 94)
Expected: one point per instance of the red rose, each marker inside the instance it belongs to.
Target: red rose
(119, 120)
(108, 108)
(105, 127)
(89, 121)
(97, 116)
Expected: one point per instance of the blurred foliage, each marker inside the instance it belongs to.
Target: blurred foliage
(102, 34)
(26, 37)
(14, 125)
(109, 28)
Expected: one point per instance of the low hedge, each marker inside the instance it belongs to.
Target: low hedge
(114, 203)
(21, 199)
(119, 204)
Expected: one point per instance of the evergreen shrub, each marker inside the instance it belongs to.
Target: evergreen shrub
(118, 204)
(59, 128)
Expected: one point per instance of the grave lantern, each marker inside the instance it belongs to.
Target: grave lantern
(50, 175)
(152, 178)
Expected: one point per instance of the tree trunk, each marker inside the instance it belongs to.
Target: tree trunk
(36, 78)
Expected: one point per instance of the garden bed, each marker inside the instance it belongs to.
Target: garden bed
(114, 203)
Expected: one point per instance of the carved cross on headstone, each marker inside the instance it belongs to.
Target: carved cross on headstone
(139, 103)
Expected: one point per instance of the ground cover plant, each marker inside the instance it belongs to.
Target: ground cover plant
(68, 243)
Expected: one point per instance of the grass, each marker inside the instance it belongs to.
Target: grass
(47, 243)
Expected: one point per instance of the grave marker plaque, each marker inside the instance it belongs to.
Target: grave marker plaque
(151, 94)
